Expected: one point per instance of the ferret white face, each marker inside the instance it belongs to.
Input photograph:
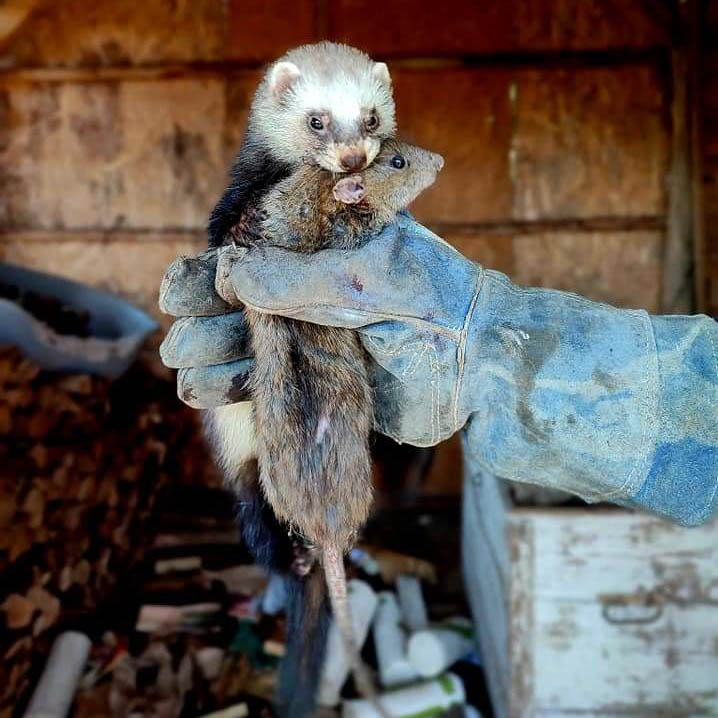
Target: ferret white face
(332, 109)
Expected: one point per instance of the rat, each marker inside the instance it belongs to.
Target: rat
(311, 387)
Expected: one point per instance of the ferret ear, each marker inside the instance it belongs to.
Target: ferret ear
(282, 76)
(381, 72)
(349, 190)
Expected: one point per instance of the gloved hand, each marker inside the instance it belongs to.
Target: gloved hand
(412, 335)
(553, 389)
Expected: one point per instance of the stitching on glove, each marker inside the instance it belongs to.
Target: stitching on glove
(713, 347)
(709, 506)
(461, 349)
(622, 490)
(425, 349)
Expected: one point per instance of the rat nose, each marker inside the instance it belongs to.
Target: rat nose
(438, 162)
(353, 162)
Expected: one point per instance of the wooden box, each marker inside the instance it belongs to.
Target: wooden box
(591, 612)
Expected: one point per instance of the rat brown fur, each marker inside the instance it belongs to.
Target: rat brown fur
(311, 387)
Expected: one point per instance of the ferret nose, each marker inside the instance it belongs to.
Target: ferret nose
(438, 162)
(354, 162)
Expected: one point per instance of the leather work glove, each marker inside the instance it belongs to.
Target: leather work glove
(551, 389)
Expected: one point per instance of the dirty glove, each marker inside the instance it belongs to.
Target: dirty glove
(209, 343)
(550, 388)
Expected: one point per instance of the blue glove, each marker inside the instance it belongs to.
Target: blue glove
(550, 388)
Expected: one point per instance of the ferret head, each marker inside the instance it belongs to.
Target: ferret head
(398, 175)
(325, 104)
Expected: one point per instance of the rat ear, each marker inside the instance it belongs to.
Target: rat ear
(282, 77)
(349, 190)
(381, 72)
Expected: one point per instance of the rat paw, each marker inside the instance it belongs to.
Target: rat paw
(305, 557)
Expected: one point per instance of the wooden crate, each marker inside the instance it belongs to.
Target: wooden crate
(591, 612)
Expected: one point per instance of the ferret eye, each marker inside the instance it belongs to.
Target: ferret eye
(371, 122)
(316, 124)
(398, 162)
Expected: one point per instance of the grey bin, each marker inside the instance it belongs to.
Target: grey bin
(117, 328)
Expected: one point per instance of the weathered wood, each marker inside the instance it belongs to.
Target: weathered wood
(709, 106)
(621, 268)
(120, 32)
(589, 142)
(486, 569)
(13, 13)
(612, 613)
(471, 127)
(248, 23)
(497, 26)
(138, 154)
(678, 278)
(545, 226)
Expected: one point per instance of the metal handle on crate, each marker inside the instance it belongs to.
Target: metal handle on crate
(631, 608)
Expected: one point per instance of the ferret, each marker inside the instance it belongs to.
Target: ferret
(328, 105)
(311, 388)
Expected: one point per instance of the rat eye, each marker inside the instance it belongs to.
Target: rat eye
(398, 162)
(371, 122)
(316, 124)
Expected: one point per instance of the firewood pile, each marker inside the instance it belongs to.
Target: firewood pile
(82, 461)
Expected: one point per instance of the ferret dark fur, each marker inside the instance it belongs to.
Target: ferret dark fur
(344, 89)
(311, 388)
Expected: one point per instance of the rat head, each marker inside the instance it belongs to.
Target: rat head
(397, 176)
(326, 104)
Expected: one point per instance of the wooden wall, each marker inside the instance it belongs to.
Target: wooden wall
(710, 155)
(118, 120)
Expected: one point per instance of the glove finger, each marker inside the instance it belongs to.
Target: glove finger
(405, 273)
(187, 288)
(212, 386)
(203, 341)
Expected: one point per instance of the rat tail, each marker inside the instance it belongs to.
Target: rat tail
(337, 588)
(308, 619)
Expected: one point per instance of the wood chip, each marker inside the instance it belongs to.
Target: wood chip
(19, 611)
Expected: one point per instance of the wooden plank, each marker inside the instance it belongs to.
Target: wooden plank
(497, 26)
(405, 28)
(683, 278)
(587, 553)
(120, 32)
(486, 569)
(240, 92)
(491, 251)
(589, 142)
(13, 13)
(709, 97)
(470, 126)
(695, 60)
(677, 285)
(664, 668)
(585, 561)
(99, 155)
(592, 24)
(621, 268)
(262, 30)
(525, 671)
(712, 22)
